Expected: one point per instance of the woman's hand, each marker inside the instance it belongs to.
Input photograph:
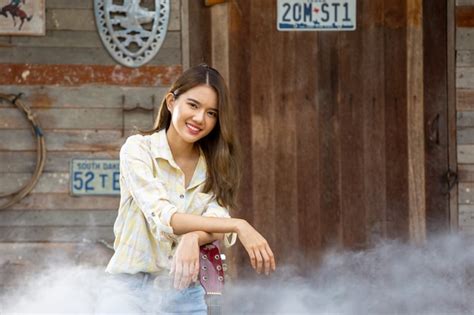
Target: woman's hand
(261, 256)
(185, 265)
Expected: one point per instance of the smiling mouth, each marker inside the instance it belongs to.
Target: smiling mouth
(193, 129)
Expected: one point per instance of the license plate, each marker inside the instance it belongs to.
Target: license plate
(95, 177)
(316, 15)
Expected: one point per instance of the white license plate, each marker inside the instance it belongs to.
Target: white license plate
(316, 15)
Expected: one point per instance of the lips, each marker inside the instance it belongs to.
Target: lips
(193, 129)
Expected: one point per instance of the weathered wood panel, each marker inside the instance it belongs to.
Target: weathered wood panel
(77, 56)
(262, 120)
(79, 118)
(56, 162)
(351, 111)
(329, 141)
(466, 215)
(465, 77)
(48, 182)
(464, 2)
(465, 154)
(63, 17)
(466, 172)
(346, 94)
(465, 119)
(84, 96)
(76, 75)
(435, 115)
(64, 140)
(51, 218)
(464, 58)
(465, 135)
(66, 202)
(74, 39)
(56, 234)
(395, 65)
(464, 100)
(239, 29)
(465, 16)
(464, 38)
(466, 193)
(373, 94)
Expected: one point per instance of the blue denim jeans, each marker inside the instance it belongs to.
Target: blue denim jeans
(163, 299)
(187, 301)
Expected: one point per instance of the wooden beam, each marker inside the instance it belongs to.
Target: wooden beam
(220, 39)
(465, 16)
(74, 75)
(415, 122)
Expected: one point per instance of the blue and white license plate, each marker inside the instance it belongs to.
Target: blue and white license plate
(316, 15)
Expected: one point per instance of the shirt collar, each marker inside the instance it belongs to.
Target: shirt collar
(160, 149)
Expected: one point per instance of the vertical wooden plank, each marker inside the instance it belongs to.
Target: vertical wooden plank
(262, 120)
(373, 91)
(352, 141)
(286, 102)
(239, 84)
(200, 45)
(451, 94)
(396, 119)
(435, 87)
(185, 30)
(329, 140)
(220, 38)
(308, 186)
(415, 122)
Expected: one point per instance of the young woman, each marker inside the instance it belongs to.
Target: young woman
(178, 183)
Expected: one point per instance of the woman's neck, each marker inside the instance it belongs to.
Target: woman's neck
(179, 148)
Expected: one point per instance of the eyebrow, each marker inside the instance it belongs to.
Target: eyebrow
(199, 103)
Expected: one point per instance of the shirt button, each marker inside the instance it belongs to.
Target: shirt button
(181, 196)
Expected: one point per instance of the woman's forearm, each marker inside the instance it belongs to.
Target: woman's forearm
(206, 238)
(183, 223)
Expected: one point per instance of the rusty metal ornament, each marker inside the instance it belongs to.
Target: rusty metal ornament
(132, 34)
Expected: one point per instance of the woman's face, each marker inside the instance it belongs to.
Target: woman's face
(193, 113)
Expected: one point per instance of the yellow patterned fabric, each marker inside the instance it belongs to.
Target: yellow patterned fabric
(152, 189)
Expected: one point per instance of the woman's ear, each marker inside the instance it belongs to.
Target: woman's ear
(170, 98)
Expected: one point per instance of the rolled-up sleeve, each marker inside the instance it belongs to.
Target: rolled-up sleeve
(150, 194)
(213, 209)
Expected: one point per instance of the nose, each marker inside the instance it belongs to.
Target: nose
(199, 116)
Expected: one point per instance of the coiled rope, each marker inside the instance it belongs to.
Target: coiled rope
(16, 196)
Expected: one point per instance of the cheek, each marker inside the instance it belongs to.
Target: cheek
(212, 123)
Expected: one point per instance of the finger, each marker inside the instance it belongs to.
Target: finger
(253, 260)
(184, 283)
(259, 259)
(177, 275)
(272, 258)
(266, 261)
(196, 271)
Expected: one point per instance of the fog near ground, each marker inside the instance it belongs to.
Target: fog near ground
(390, 278)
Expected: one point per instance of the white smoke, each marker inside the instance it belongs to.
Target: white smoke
(391, 278)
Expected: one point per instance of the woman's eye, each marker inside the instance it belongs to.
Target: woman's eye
(193, 105)
(212, 114)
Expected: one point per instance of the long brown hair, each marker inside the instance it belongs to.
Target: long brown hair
(220, 146)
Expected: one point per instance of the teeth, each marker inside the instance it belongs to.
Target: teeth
(192, 127)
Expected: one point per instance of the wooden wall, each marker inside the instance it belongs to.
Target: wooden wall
(78, 93)
(333, 125)
(465, 111)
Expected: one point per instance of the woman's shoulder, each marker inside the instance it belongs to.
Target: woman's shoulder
(136, 142)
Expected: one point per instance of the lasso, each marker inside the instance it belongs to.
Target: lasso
(16, 196)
